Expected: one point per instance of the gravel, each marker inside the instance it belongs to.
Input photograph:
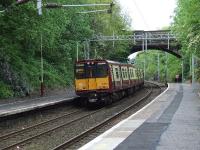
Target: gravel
(50, 140)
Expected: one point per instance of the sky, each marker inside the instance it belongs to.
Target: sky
(148, 14)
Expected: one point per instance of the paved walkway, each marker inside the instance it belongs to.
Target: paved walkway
(170, 122)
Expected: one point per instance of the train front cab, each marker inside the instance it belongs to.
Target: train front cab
(92, 80)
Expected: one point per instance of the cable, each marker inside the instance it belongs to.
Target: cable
(141, 14)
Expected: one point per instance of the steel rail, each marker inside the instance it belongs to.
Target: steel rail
(70, 122)
(6, 136)
(81, 135)
(48, 131)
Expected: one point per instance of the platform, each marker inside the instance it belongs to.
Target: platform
(24, 105)
(169, 122)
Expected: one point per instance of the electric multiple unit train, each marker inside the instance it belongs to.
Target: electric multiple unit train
(104, 80)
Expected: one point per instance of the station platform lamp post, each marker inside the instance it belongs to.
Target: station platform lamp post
(42, 69)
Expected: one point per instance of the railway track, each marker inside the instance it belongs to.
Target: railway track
(6, 136)
(16, 133)
(24, 132)
(84, 115)
(103, 123)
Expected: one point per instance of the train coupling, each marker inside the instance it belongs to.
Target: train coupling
(93, 98)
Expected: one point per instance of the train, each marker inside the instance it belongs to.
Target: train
(104, 81)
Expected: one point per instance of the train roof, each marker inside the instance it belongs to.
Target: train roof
(103, 60)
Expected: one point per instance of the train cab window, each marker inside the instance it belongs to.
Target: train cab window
(90, 70)
(101, 70)
(79, 71)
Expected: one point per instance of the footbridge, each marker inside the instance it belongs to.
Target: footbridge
(163, 40)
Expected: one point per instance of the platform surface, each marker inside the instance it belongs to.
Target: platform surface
(169, 122)
(8, 109)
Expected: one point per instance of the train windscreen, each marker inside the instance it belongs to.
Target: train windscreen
(102, 70)
(91, 70)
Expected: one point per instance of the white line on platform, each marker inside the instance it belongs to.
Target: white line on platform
(100, 137)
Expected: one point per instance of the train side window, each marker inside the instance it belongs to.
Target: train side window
(126, 73)
(134, 74)
(123, 73)
(131, 73)
(117, 73)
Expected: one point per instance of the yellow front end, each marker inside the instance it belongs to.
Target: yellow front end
(81, 84)
(102, 83)
(91, 84)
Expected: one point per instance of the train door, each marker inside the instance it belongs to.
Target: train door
(117, 78)
(90, 71)
(112, 76)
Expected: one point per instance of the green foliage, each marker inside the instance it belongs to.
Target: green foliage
(170, 66)
(5, 90)
(187, 27)
(57, 31)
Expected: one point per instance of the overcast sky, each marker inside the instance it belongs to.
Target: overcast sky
(149, 14)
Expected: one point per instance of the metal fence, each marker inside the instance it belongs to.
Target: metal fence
(195, 69)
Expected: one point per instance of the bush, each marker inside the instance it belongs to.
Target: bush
(5, 91)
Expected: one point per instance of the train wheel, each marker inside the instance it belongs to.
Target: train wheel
(85, 103)
(108, 100)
